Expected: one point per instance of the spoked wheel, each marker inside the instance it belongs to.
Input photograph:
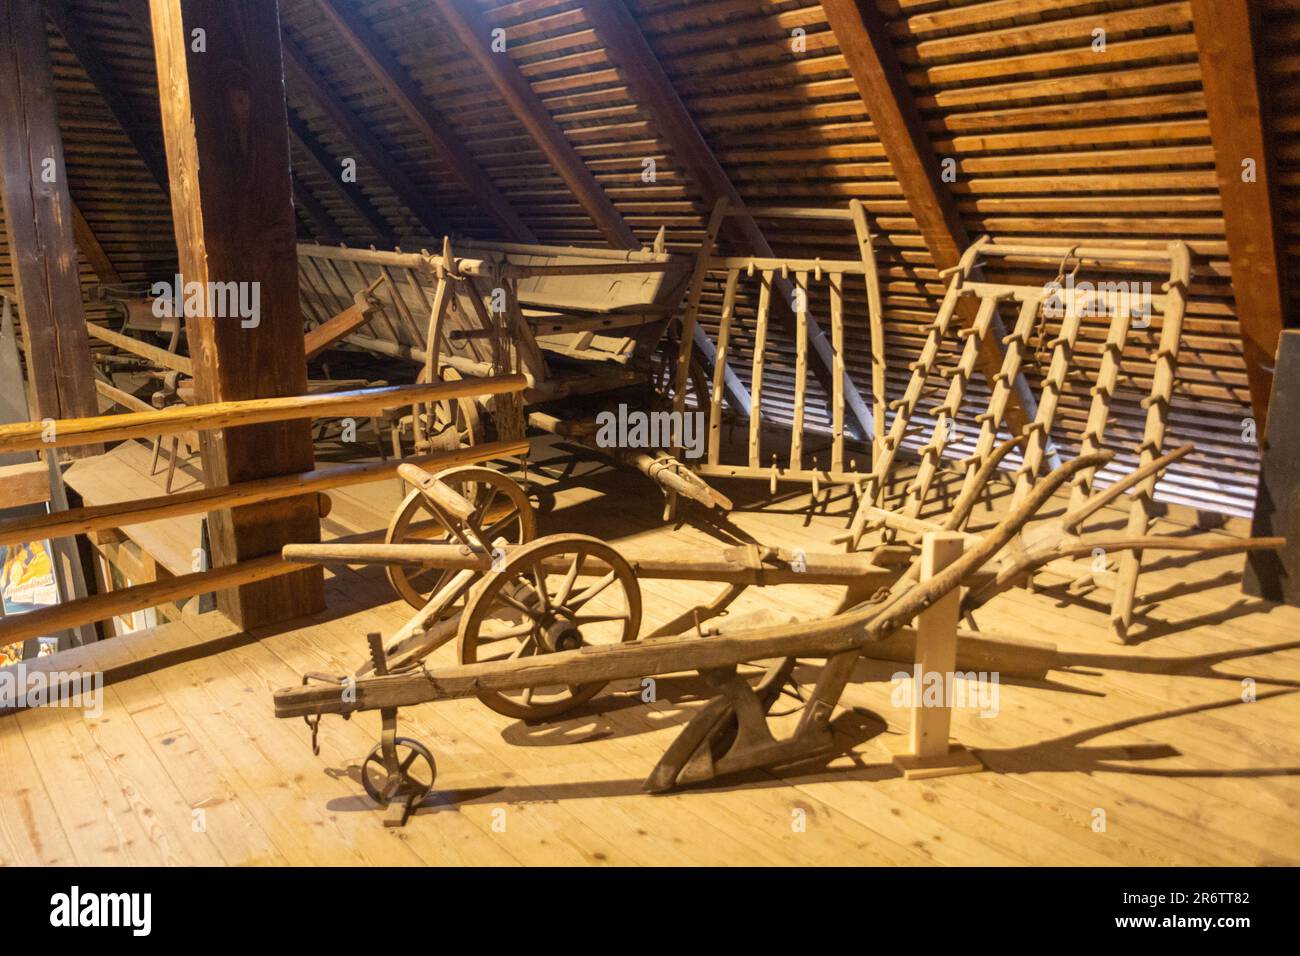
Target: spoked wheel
(413, 777)
(560, 593)
(501, 510)
(446, 425)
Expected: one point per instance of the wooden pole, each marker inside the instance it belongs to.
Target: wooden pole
(32, 436)
(39, 221)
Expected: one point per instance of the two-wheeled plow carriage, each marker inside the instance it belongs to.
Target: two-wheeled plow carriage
(542, 624)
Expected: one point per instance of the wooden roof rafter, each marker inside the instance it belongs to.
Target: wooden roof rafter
(867, 49)
(138, 12)
(474, 34)
(1227, 35)
(358, 135)
(618, 30)
(350, 191)
(352, 27)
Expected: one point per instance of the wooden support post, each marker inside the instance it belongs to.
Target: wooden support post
(929, 751)
(224, 121)
(1228, 43)
(39, 220)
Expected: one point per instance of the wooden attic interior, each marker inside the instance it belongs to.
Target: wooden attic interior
(849, 237)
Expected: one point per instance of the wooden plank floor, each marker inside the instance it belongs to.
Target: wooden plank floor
(1146, 754)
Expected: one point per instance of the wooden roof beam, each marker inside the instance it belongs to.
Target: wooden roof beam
(77, 37)
(351, 192)
(1226, 35)
(358, 135)
(475, 36)
(422, 114)
(632, 54)
(865, 44)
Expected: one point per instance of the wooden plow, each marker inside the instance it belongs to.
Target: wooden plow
(543, 624)
(1067, 306)
(785, 288)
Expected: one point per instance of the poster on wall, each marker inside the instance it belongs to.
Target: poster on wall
(26, 583)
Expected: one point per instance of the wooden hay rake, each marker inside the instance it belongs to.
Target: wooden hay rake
(1058, 299)
(542, 625)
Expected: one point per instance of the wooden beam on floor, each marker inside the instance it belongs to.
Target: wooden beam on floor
(864, 42)
(300, 69)
(423, 116)
(39, 221)
(474, 34)
(224, 121)
(1227, 35)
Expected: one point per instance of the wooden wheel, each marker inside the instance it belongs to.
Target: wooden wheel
(501, 510)
(560, 593)
(445, 425)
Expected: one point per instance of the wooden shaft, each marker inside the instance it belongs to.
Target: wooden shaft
(837, 380)
(100, 517)
(875, 321)
(28, 436)
(727, 566)
(720, 366)
(160, 357)
(1053, 384)
(800, 368)
(756, 371)
(690, 317)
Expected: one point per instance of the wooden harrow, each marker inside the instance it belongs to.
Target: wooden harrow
(1033, 304)
(546, 623)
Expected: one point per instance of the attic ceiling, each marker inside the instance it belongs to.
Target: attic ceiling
(1049, 136)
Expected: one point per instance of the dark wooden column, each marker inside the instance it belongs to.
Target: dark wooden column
(227, 138)
(1228, 43)
(39, 217)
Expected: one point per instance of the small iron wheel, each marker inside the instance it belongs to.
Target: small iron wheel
(560, 593)
(501, 510)
(415, 781)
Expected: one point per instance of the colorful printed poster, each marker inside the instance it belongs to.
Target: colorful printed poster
(26, 583)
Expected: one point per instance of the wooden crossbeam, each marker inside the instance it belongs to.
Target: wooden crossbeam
(475, 36)
(424, 116)
(1226, 42)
